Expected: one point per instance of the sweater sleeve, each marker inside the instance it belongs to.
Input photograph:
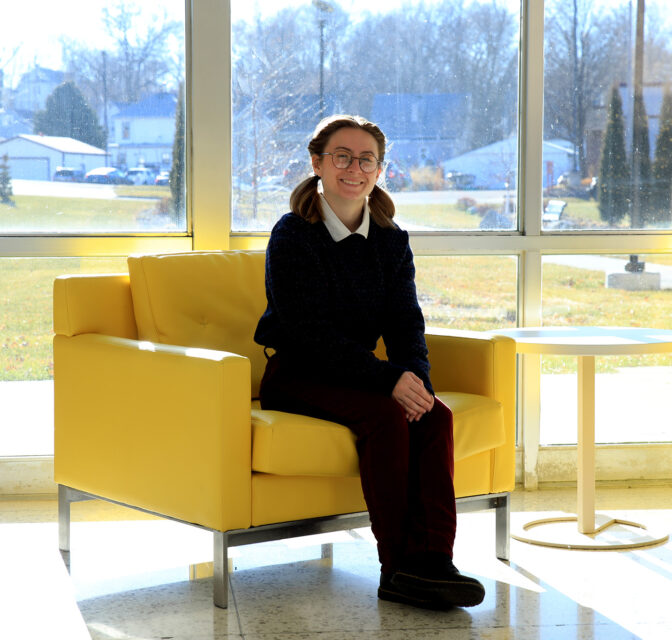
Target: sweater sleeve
(307, 334)
(404, 331)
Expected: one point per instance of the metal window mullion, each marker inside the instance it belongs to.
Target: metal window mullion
(211, 123)
(531, 136)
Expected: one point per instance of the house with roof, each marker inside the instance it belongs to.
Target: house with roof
(422, 128)
(34, 87)
(142, 133)
(36, 157)
(495, 166)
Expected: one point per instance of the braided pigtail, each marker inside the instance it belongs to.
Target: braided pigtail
(305, 201)
(381, 207)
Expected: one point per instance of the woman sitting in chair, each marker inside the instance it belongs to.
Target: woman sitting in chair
(339, 275)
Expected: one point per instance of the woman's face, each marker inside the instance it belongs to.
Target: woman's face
(349, 184)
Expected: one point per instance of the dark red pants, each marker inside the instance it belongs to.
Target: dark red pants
(406, 468)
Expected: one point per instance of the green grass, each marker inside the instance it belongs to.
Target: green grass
(142, 191)
(467, 292)
(270, 207)
(574, 296)
(438, 216)
(582, 210)
(42, 214)
(25, 310)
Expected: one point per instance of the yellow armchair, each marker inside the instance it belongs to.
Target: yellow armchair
(156, 377)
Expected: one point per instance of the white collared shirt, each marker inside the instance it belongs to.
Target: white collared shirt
(337, 230)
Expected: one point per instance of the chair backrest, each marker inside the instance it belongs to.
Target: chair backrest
(210, 300)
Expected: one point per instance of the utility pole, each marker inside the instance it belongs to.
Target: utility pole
(577, 89)
(638, 90)
(107, 132)
(323, 7)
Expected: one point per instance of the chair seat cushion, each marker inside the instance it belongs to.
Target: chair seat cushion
(293, 445)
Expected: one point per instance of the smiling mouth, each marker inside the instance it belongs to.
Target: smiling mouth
(351, 182)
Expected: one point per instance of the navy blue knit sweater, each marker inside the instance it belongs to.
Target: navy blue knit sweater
(329, 302)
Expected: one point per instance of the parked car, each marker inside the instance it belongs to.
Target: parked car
(162, 179)
(68, 174)
(460, 181)
(396, 177)
(107, 175)
(140, 175)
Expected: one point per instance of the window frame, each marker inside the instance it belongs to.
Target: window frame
(209, 180)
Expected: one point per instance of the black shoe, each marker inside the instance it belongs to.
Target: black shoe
(389, 591)
(433, 576)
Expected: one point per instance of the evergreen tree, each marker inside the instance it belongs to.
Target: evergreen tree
(5, 181)
(177, 171)
(614, 178)
(67, 114)
(662, 166)
(641, 165)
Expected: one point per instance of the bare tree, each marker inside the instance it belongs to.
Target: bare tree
(5, 60)
(447, 47)
(141, 60)
(584, 57)
(488, 65)
(657, 38)
(275, 92)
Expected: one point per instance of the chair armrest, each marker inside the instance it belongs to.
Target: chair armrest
(485, 364)
(159, 427)
(472, 362)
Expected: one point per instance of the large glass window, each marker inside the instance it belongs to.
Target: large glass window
(290, 61)
(632, 392)
(92, 117)
(439, 78)
(477, 293)
(607, 115)
(26, 356)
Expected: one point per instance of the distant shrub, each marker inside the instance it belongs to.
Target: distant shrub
(6, 192)
(464, 203)
(427, 178)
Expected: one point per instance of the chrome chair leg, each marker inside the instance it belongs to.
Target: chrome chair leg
(221, 570)
(63, 518)
(503, 526)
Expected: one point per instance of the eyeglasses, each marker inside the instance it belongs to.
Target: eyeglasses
(342, 160)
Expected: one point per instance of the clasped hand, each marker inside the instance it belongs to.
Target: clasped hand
(411, 394)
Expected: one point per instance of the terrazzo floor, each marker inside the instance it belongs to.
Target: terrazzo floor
(138, 578)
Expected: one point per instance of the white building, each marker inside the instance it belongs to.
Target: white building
(35, 87)
(142, 134)
(495, 165)
(33, 157)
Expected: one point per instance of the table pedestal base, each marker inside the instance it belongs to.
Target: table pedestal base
(610, 534)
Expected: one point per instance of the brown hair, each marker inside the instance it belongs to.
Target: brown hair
(305, 201)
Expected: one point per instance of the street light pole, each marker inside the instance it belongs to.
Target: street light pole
(636, 218)
(321, 68)
(323, 7)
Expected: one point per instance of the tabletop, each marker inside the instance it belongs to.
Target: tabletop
(591, 341)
